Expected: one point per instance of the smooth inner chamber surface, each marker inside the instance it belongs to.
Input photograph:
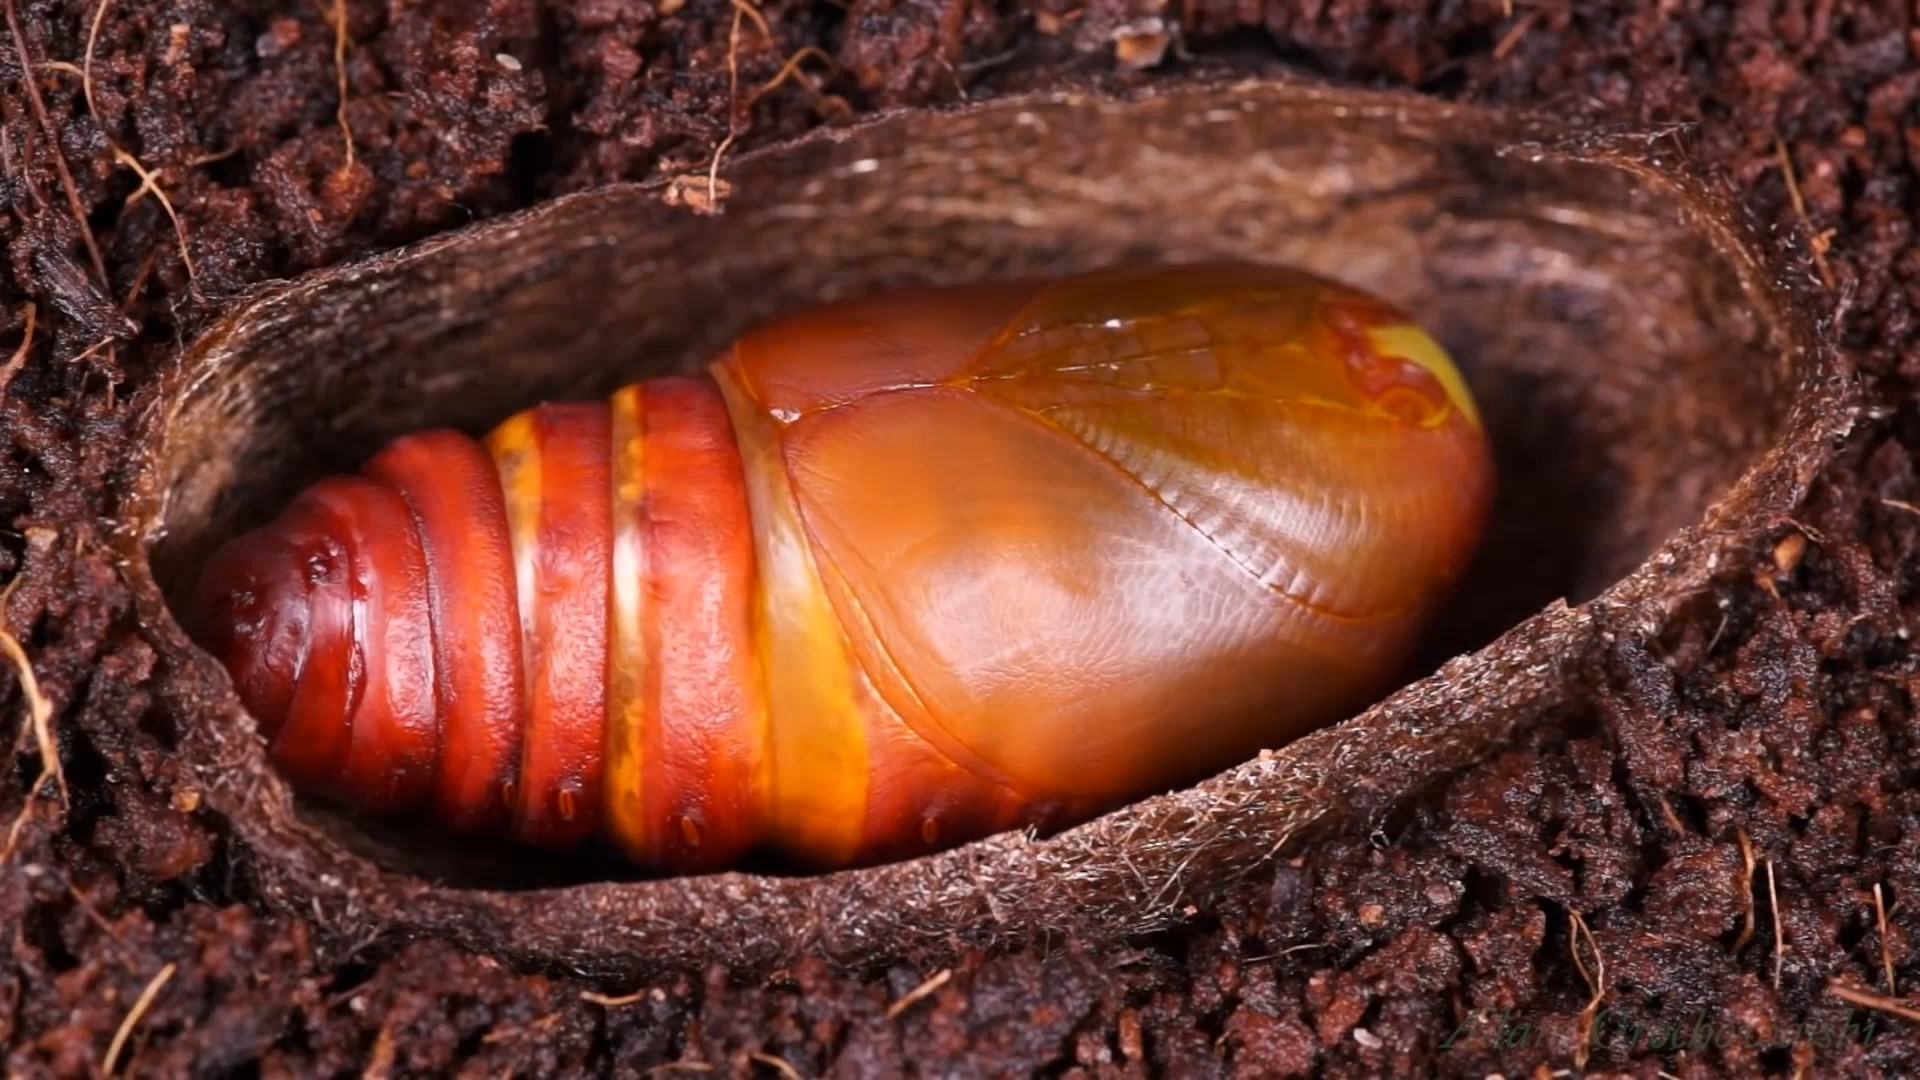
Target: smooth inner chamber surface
(893, 574)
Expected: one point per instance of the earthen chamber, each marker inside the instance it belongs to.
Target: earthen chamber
(1655, 398)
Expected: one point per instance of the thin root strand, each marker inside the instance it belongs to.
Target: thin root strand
(140, 1007)
(40, 722)
(149, 178)
(1867, 999)
(919, 993)
(1595, 978)
(19, 358)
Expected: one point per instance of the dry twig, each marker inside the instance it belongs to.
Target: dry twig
(88, 352)
(1746, 897)
(1901, 504)
(790, 68)
(1596, 983)
(338, 18)
(139, 283)
(19, 358)
(535, 1028)
(777, 1064)
(1886, 949)
(1818, 242)
(1867, 999)
(39, 107)
(1513, 35)
(40, 721)
(1779, 935)
(134, 1014)
(380, 1061)
(733, 99)
(607, 1001)
(93, 915)
(149, 178)
(759, 20)
(919, 993)
(679, 191)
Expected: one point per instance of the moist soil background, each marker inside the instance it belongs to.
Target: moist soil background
(1684, 876)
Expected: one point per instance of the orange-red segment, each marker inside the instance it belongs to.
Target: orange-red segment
(687, 718)
(276, 607)
(554, 471)
(450, 484)
(391, 751)
(632, 646)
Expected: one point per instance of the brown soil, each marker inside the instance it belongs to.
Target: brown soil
(1680, 876)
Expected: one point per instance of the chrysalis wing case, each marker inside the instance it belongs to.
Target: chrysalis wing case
(894, 574)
